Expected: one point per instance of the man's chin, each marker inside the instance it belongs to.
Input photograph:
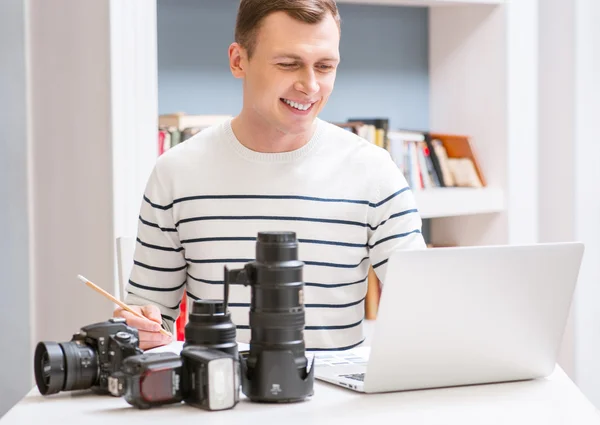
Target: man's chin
(297, 128)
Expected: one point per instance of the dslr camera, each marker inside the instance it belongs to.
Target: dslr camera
(206, 374)
(87, 360)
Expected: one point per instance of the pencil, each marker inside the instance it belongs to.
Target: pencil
(116, 301)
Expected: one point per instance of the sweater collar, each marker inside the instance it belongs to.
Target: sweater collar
(278, 157)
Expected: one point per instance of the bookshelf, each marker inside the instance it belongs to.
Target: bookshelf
(459, 201)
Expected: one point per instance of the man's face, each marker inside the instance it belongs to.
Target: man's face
(291, 73)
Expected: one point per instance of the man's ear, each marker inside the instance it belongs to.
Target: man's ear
(238, 60)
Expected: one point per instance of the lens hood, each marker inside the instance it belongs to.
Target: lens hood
(49, 367)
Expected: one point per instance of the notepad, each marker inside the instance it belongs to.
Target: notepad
(177, 346)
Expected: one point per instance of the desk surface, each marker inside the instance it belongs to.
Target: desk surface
(553, 400)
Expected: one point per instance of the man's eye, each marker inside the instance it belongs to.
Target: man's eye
(287, 65)
(325, 67)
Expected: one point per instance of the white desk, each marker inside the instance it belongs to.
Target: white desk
(554, 400)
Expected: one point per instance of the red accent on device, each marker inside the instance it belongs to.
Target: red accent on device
(182, 319)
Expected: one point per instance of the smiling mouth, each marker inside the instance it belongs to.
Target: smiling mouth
(302, 107)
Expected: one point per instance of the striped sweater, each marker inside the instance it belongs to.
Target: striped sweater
(208, 197)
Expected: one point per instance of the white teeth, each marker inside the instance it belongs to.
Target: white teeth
(297, 105)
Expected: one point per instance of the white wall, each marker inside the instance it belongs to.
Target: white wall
(569, 197)
(15, 359)
(557, 118)
(587, 194)
(94, 120)
(134, 114)
(483, 67)
(71, 164)
(73, 78)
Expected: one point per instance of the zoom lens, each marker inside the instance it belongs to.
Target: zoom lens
(210, 326)
(64, 366)
(275, 369)
(277, 315)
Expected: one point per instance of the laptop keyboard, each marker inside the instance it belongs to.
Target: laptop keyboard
(339, 358)
(356, 376)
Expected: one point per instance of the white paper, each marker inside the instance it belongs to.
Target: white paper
(176, 346)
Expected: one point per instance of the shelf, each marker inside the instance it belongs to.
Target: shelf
(424, 3)
(454, 201)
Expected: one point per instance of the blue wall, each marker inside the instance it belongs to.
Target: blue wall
(16, 355)
(384, 68)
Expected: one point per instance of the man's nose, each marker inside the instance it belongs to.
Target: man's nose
(307, 83)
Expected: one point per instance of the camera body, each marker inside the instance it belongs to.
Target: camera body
(86, 361)
(202, 377)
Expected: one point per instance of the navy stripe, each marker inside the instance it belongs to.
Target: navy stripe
(342, 266)
(159, 269)
(155, 288)
(192, 296)
(247, 260)
(353, 303)
(400, 214)
(381, 263)
(317, 328)
(253, 239)
(335, 243)
(334, 285)
(172, 308)
(219, 260)
(291, 218)
(298, 197)
(332, 327)
(157, 206)
(210, 282)
(164, 229)
(164, 316)
(161, 248)
(348, 347)
(392, 196)
(270, 217)
(318, 285)
(399, 235)
(176, 307)
(219, 239)
(307, 241)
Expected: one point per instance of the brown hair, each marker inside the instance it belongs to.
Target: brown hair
(252, 12)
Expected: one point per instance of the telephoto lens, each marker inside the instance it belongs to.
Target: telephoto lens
(276, 368)
(210, 326)
(88, 360)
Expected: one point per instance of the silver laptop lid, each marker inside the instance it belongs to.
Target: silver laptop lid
(468, 315)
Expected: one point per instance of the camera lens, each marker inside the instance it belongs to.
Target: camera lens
(64, 366)
(210, 326)
(277, 316)
(49, 367)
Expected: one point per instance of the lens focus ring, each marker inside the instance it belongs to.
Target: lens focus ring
(292, 321)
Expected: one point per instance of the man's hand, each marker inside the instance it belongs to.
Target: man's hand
(148, 328)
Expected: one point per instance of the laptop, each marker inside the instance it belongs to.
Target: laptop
(463, 316)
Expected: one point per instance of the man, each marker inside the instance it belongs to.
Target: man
(275, 166)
